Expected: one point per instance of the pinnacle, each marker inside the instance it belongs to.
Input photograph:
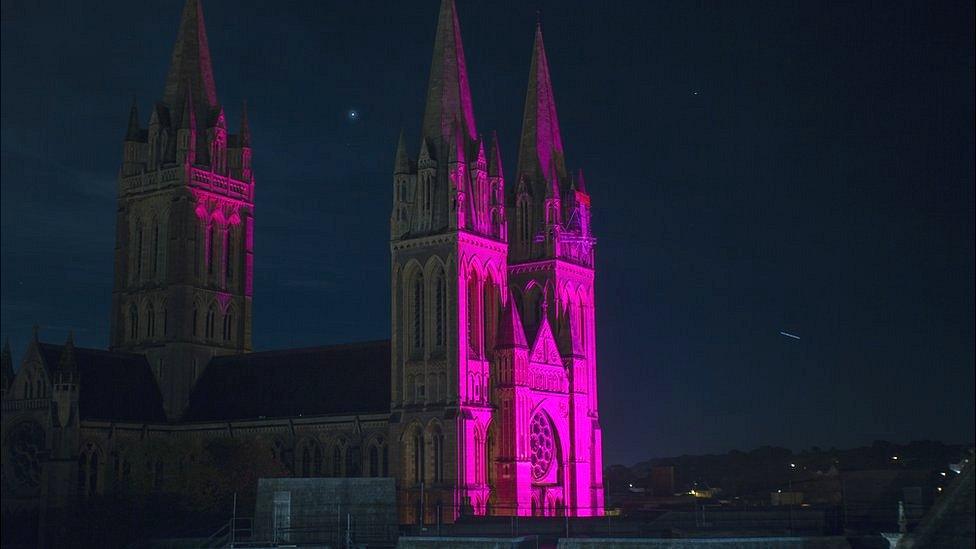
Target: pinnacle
(402, 163)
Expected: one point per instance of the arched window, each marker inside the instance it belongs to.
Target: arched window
(489, 313)
(437, 441)
(440, 309)
(165, 322)
(418, 456)
(417, 313)
(211, 315)
(228, 322)
(194, 320)
(338, 460)
(306, 461)
(150, 321)
(318, 461)
(374, 461)
(133, 321)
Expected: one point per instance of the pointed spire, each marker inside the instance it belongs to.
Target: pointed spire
(580, 182)
(245, 133)
(133, 132)
(495, 168)
(190, 65)
(541, 148)
(448, 95)
(402, 163)
(510, 331)
(188, 120)
(67, 363)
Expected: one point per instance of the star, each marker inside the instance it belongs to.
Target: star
(352, 115)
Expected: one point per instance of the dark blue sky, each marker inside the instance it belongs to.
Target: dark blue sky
(754, 167)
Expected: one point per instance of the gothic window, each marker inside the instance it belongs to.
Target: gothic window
(437, 441)
(133, 322)
(306, 461)
(418, 456)
(150, 321)
(374, 461)
(211, 314)
(165, 321)
(228, 318)
(385, 460)
(317, 464)
(489, 306)
(193, 322)
(338, 460)
(159, 371)
(417, 313)
(440, 308)
(88, 471)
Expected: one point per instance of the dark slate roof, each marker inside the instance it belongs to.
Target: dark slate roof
(341, 379)
(112, 386)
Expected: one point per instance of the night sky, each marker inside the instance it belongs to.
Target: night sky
(754, 168)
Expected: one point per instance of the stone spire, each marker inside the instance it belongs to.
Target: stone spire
(541, 148)
(448, 95)
(190, 67)
(510, 332)
(402, 163)
(133, 132)
(495, 168)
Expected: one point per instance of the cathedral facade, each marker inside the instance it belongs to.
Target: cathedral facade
(484, 400)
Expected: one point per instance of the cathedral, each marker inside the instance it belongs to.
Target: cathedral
(484, 399)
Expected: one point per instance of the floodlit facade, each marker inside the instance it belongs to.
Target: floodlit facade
(483, 402)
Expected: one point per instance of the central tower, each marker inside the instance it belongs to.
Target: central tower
(491, 415)
(185, 226)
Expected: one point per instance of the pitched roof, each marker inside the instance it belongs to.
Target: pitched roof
(113, 386)
(340, 379)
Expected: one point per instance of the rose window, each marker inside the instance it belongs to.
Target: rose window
(25, 446)
(542, 446)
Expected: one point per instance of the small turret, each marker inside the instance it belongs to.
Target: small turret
(401, 165)
(133, 132)
(66, 381)
(510, 330)
(186, 135)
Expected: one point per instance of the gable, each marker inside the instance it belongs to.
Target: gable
(544, 349)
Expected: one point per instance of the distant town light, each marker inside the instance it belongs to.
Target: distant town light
(943, 473)
(894, 458)
(793, 465)
(939, 488)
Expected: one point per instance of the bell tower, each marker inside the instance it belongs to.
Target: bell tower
(185, 226)
(448, 249)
